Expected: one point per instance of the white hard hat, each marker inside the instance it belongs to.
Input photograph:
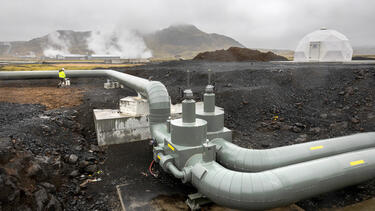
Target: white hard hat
(62, 69)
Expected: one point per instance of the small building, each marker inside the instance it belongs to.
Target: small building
(324, 45)
(103, 57)
(71, 57)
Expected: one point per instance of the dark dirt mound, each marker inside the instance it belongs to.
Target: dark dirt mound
(236, 54)
(362, 58)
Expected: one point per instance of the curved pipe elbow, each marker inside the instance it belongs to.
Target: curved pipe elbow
(159, 102)
(166, 162)
(252, 160)
(176, 173)
(282, 186)
(159, 133)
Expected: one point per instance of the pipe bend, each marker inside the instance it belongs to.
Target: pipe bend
(159, 102)
(282, 186)
(166, 162)
(252, 160)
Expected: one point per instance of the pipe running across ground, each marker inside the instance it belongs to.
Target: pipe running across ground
(253, 160)
(282, 186)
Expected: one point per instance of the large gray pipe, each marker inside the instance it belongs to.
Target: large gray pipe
(252, 160)
(154, 91)
(281, 186)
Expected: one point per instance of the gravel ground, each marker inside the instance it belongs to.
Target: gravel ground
(49, 158)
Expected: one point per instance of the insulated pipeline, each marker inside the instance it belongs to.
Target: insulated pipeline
(285, 185)
(252, 160)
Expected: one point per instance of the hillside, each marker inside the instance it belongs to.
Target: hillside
(172, 42)
(186, 41)
(74, 41)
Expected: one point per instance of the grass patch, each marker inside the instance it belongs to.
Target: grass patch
(67, 66)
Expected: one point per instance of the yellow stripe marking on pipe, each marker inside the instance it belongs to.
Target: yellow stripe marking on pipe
(159, 157)
(357, 162)
(317, 147)
(170, 146)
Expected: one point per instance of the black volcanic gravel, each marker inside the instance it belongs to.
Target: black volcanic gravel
(267, 105)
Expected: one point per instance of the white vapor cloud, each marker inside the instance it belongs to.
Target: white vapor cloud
(56, 45)
(122, 42)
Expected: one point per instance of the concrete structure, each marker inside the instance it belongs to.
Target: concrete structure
(112, 84)
(114, 127)
(324, 45)
(134, 106)
(128, 123)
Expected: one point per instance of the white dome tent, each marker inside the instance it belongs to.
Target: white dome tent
(324, 45)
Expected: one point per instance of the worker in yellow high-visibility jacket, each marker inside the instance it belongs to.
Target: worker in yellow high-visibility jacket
(62, 76)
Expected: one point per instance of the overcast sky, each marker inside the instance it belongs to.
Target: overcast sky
(262, 23)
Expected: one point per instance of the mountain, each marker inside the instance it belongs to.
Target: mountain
(186, 41)
(172, 42)
(75, 42)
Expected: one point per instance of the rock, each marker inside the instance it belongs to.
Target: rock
(41, 197)
(83, 163)
(355, 120)
(6, 151)
(349, 91)
(73, 158)
(57, 164)
(78, 148)
(323, 116)
(301, 138)
(265, 145)
(91, 168)
(296, 129)
(263, 124)
(14, 196)
(300, 125)
(286, 127)
(91, 158)
(74, 173)
(50, 187)
(34, 170)
(22, 207)
(315, 130)
(94, 148)
(77, 190)
(53, 204)
(339, 125)
(7, 187)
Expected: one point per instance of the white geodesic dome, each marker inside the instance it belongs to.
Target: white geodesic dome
(324, 45)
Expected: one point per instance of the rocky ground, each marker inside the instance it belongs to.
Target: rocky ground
(49, 159)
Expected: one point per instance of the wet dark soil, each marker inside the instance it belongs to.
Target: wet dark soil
(236, 54)
(266, 104)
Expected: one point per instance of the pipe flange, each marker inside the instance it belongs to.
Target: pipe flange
(209, 89)
(164, 160)
(187, 174)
